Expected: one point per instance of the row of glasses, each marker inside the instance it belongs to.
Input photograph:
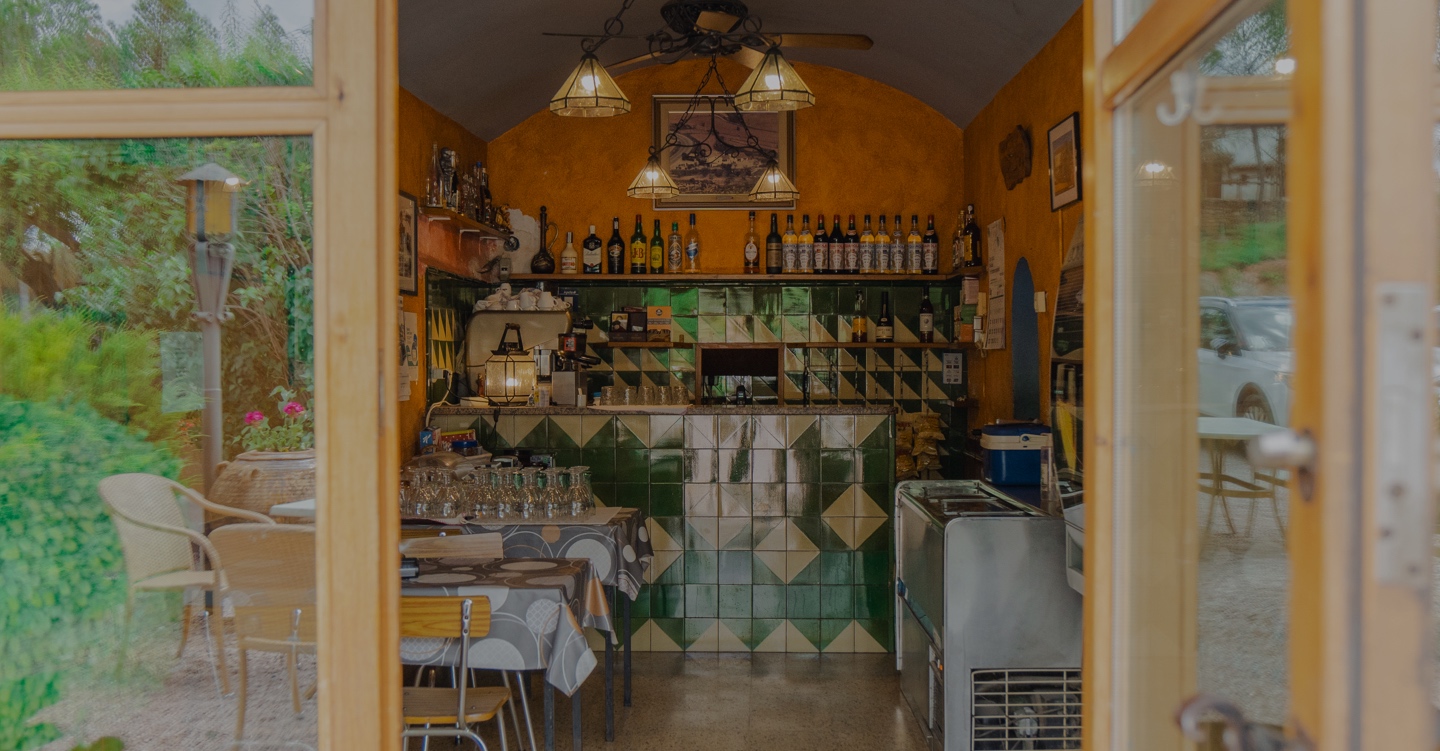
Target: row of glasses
(648, 394)
(498, 493)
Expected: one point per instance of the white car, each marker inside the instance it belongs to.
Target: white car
(1245, 358)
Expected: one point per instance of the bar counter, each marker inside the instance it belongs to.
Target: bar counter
(771, 524)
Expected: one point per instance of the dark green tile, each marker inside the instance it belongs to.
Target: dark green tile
(822, 301)
(667, 500)
(735, 567)
(673, 628)
(667, 431)
(768, 601)
(657, 296)
(881, 629)
(712, 301)
(836, 602)
(742, 628)
(557, 437)
(702, 567)
(808, 575)
(604, 437)
(803, 465)
(761, 628)
(632, 465)
(601, 463)
(808, 628)
(880, 438)
(568, 457)
(881, 541)
(674, 574)
(666, 465)
(837, 465)
(597, 301)
(873, 568)
(702, 601)
(836, 568)
(696, 628)
(683, 301)
(809, 440)
(605, 491)
(883, 494)
(690, 325)
(537, 438)
(761, 574)
(633, 495)
(739, 301)
(831, 492)
(735, 601)
(625, 438)
(802, 499)
(640, 608)
(795, 300)
(626, 297)
(873, 601)
(830, 629)
(667, 601)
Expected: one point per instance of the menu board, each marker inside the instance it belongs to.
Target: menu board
(995, 274)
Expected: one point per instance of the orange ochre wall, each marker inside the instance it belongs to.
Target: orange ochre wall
(1043, 93)
(863, 148)
(438, 244)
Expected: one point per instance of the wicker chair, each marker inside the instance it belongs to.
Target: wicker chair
(455, 709)
(269, 579)
(483, 545)
(149, 517)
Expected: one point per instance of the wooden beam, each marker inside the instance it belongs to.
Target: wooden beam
(1156, 39)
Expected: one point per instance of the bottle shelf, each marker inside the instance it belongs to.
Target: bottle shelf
(836, 279)
(791, 345)
(643, 345)
(461, 222)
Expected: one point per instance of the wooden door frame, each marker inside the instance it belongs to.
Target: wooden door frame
(350, 113)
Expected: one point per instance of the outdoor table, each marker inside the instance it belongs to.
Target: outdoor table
(538, 610)
(1214, 433)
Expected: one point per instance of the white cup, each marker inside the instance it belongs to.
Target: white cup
(547, 300)
(505, 289)
(512, 305)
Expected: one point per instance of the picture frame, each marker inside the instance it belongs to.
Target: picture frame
(722, 181)
(408, 252)
(1064, 147)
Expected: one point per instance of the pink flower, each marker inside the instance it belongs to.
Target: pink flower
(253, 417)
(293, 408)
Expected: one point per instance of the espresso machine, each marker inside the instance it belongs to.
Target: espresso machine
(568, 384)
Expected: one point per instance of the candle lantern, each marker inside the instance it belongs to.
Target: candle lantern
(510, 371)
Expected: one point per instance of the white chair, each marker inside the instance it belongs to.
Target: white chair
(483, 545)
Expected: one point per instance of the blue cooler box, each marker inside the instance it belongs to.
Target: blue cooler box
(1012, 452)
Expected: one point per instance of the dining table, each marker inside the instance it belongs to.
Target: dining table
(1216, 435)
(539, 608)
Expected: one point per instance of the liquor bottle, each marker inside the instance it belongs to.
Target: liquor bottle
(930, 249)
(569, 259)
(822, 245)
(674, 250)
(867, 248)
(805, 253)
(790, 246)
(543, 262)
(897, 250)
(639, 249)
(615, 249)
(972, 237)
(774, 247)
(884, 325)
(858, 320)
(927, 316)
(657, 251)
(882, 248)
(914, 246)
(958, 244)
(852, 248)
(837, 248)
(692, 248)
(487, 202)
(593, 262)
(752, 248)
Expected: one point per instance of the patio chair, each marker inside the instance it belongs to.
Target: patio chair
(483, 545)
(150, 519)
(269, 579)
(455, 709)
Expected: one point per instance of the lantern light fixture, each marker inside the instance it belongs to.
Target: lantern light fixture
(653, 181)
(773, 86)
(510, 371)
(773, 185)
(589, 92)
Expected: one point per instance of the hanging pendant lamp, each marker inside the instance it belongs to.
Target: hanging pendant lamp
(589, 92)
(773, 185)
(652, 182)
(773, 86)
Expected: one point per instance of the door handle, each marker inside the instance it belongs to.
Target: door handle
(1240, 734)
(1286, 449)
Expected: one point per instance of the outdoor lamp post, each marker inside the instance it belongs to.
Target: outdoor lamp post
(212, 208)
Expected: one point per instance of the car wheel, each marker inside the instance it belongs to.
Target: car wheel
(1252, 405)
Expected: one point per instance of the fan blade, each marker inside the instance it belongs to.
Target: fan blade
(834, 41)
(634, 60)
(587, 36)
(717, 22)
(747, 57)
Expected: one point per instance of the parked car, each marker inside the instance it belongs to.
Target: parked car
(1245, 358)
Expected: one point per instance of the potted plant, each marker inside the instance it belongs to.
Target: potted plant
(278, 465)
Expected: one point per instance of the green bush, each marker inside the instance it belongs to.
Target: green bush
(60, 557)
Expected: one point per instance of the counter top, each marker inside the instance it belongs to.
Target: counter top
(772, 409)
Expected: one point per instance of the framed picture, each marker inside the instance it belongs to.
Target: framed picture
(1065, 162)
(712, 175)
(409, 250)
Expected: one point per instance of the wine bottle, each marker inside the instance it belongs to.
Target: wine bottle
(675, 250)
(927, 316)
(858, 320)
(914, 246)
(805, 253)
(972, 237)
(543, 262)
(884, 325)
(852, 248)
(569, 259)
(958, 245)
(639, 249)
(774, 247)
(657, 251)
(752, 248)
(822, 245)
(487, 202)
(593, 261)
(837, 248)
(930, 249)
(897, 248)
(790, 246)
(882, 249)
(867, 249)
(692, 248)
(615, 249)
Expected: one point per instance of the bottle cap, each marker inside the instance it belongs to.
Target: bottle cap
(592, 229)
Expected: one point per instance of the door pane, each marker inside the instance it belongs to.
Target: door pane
(101, 375)
(52, 45)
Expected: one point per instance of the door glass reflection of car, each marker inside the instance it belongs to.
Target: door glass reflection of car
(1245, 358)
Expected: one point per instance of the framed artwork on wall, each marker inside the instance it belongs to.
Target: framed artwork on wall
(713, 175)
(1065, 162)
(409, 251)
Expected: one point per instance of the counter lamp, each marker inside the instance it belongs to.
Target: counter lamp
(510, 371)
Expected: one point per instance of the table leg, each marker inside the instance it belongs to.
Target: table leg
(629, 635)
(1217, 469)
(549, 691)
(610, 670)
(575, 719)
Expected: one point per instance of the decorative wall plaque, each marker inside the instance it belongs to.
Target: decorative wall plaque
(1015, 157)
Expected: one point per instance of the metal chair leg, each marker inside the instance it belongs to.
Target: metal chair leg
(240, 699)
(185, 615)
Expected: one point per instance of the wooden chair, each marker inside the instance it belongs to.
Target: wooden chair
(484, 545)
(461, 618)
(149, 517)
(269, 579)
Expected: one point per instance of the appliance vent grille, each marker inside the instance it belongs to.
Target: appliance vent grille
(1025, 710)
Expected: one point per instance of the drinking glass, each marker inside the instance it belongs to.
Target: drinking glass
(554, 504)
(610, 395)
(627, 396)
(530, 500)
(581, 498)
(679, 395)
(647, 394)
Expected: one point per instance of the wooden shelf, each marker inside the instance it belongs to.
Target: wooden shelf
(965, 403)
(643, 345)
(461, 222)
(754, 278)
(837, 345)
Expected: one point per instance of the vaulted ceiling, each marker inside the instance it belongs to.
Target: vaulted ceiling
(485, 64)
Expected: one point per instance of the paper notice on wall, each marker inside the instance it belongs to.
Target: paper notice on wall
(409, 349)
(995, 323)
(995, 278)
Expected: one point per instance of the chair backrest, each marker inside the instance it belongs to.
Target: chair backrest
(149, 516)
(441, 617)
(483, 545)
(269, 574)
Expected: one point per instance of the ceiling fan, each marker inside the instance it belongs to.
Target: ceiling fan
(714, 28)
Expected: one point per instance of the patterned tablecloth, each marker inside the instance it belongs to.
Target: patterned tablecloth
(620, 551)
(538, 607)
